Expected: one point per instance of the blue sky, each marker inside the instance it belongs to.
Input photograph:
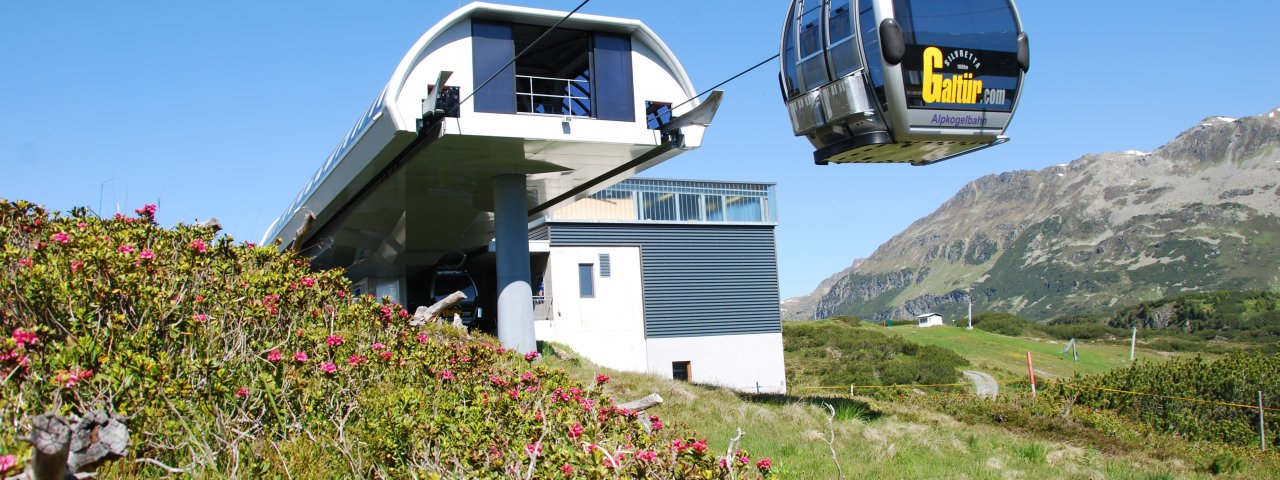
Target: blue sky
(224, 109)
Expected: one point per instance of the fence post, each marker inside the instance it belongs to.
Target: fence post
(1262, 425)
(850, 389)
(757, 388)
(1032, 372)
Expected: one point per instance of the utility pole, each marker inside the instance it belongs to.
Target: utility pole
(1133, 342)
(969, 293)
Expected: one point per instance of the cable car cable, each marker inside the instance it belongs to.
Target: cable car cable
(718, 85)
(517, 57)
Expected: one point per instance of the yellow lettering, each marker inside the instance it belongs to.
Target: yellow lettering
(932, 83)
(957, 88)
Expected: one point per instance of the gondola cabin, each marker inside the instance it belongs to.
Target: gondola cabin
(901, 81)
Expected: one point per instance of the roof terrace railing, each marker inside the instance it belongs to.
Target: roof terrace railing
(553, 96)
(682, 201)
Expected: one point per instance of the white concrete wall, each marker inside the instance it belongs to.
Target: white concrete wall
(734, 361)
(607, 328)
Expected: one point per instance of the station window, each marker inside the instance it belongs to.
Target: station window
(743, 209)
(658, 206)
(657, 114)
(553, 77)
(586, 280)
(690, 210)
(568, 72)
(715, 208)
(680, 371)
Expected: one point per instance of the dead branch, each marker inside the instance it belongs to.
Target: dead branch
(51, 439)
(429, 314)
(644, 403)
(831, 442)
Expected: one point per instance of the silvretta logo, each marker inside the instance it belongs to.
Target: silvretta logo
(959, 87)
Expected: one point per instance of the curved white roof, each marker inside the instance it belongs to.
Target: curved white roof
(450, 171)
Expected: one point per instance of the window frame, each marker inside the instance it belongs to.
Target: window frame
(586, 283)
(688, 370)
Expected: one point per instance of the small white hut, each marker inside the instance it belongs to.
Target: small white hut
(929, 320)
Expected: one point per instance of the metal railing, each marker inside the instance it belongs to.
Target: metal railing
(534, 95)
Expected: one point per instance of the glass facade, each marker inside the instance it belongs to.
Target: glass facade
(649, 200)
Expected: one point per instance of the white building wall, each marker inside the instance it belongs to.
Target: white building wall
(734, 361)
(607, 328)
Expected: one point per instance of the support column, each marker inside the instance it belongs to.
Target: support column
(511, 233)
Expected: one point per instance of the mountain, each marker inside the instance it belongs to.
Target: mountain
(1106, 230)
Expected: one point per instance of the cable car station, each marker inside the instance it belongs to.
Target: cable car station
(425, 179)
(498, 116)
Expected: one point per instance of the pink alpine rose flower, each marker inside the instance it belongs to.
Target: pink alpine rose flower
(602, 379)
(329, 368)
(62, 237)
(764, 464)
(333, 340)
(699, 446)
(9, 461)
(242, 392)
(274, 355)
(199, 246)
(23, 338)
(533, 449)
(300, 357)
(125, 248)
(531, 356)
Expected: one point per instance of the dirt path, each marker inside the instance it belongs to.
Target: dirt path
(984, 383)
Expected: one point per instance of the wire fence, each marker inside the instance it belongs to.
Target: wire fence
(1259, 407)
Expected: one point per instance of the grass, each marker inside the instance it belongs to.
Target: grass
(872, 439)
(1006, 357)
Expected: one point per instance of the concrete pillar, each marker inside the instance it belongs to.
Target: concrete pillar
(511, 233)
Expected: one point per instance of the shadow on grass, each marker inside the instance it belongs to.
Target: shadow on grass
(846, 408)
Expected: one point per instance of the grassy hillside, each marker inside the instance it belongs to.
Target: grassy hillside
(906, 438)
(835, 352)
(1006, 356)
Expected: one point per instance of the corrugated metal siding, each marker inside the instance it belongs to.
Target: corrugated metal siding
(698, 279)
(542, 232)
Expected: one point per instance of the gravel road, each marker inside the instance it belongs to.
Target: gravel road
(986, 386)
